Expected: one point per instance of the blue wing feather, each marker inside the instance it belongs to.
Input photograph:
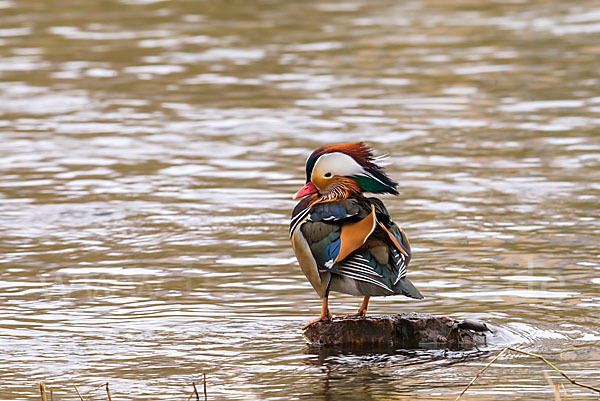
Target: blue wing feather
(336, 211)
(330, 252)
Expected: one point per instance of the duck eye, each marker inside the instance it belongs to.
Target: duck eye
(327, 175)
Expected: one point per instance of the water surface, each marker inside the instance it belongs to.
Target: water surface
(150, 150)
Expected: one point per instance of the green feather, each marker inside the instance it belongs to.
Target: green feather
(368, 184)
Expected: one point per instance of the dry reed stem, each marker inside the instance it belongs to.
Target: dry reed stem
(108, 392)
(481, 372)
(553, 386)
(45, 398)
(573, 381)
(196, 391)
(557, 391)
(43, 391)
(78, 393)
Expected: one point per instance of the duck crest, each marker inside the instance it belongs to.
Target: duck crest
(372, 179)
(359, 151)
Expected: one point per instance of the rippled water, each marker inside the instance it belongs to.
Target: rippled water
(150, 149)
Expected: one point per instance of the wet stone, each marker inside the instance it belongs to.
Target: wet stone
(406, 330)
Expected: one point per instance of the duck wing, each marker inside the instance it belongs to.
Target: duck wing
(335, 229)
(357, 239)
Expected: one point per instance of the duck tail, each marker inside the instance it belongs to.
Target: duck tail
(406, 288)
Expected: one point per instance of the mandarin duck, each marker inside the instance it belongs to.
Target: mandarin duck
(343, 240)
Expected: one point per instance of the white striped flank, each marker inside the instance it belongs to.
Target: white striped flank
(359, 263)
(355, 267)
(400, 263)
(358, 268)
(366, 280)
(297, 219)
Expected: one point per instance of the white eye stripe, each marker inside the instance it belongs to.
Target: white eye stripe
(337, 164)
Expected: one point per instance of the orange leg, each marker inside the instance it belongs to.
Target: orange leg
(362, 311)
(325, 315)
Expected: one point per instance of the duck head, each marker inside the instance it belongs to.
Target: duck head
(339, 171)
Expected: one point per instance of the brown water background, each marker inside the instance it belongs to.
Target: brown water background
(149, 150)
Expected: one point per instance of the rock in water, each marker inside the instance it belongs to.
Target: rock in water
(406, 330)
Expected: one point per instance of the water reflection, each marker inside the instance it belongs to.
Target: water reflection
(388, 374)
